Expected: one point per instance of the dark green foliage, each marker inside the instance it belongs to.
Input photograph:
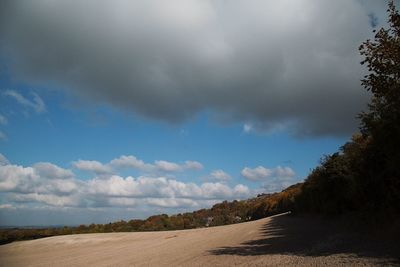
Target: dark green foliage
(365, 175)
(381, 122)
(330, 188)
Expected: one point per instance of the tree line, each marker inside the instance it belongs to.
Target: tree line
(220, 214)
(364, 175)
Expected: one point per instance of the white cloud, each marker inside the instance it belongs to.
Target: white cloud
(167, 166)
(129, 162)
(47, 184)
(161, 187)
(116, 186)
(92, 166)
(3, 120)
(41, 179)
(132, 162)
(15, 178)
(273, 180)
(247, 128)
(3, 160)
(193, 165)
(283, 172)
(261, 173)
(220, 175)
(241, 191)
(185, 190)
(36, 103)
(256, 174)
(216, 190)
(51, 171)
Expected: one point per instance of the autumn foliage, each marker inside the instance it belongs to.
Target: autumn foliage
(220, 214)
(364, 176)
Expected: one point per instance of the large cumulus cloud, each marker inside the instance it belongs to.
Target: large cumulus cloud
(289, 65)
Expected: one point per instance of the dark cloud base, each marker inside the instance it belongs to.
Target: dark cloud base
(287, 66)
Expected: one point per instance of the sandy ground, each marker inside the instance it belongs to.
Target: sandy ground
(276, 241)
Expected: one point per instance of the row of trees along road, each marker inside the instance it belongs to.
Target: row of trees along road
(364, 176)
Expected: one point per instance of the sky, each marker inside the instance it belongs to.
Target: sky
(115, 110)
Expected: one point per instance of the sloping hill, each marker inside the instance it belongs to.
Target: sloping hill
(223, 213)
(279, 240)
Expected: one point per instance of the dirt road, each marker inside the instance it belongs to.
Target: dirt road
(280, 240)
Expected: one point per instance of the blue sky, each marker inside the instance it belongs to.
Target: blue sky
(103, 133)
(62, 135)
(170, 107)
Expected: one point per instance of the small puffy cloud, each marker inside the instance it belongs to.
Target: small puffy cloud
(116, 186)
(283, 172)
(42, 178)
(43, 183)
(193, 165)
(185, 190)
(60, 187)
(167, 166)
(36, 103)
(256, 174)
(128, 162)
(15, 178)
(92, 166)
(273, 180)
(241, 191)
(3, 120)
(216, 190)
(3, 160)
(51, 171)
(261, 173)
(247, 128)
(220, 175)
(159, 166)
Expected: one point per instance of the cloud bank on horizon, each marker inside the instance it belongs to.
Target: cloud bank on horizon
(45, 185)
(273, 65)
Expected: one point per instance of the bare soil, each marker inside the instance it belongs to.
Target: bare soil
(281, 240)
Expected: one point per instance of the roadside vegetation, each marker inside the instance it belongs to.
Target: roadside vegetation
(364, 176)
(220, 214)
